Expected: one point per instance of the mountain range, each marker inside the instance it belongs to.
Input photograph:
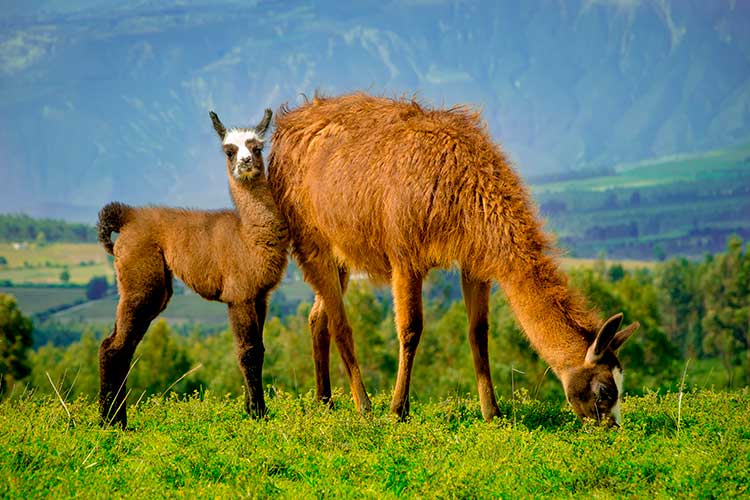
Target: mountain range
(103, 100)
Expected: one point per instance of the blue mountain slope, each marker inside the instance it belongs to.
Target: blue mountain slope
(100, 100)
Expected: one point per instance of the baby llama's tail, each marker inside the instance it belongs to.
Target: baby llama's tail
(111, 218)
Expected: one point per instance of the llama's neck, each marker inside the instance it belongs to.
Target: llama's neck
(254, 203)
(554, 317)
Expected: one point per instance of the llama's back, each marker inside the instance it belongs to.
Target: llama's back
(381, 180)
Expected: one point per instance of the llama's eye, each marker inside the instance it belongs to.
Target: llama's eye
(230, 154)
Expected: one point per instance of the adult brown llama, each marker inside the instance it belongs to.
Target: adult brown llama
(393, 188)
(233, 256)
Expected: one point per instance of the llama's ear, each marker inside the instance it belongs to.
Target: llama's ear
(264, 123)
(218, 126)
(623, 335)
(604, 338)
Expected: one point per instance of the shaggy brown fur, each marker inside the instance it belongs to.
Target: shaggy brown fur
(233, 256)
(394, 188)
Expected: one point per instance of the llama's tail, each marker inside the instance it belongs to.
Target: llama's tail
(111, 218)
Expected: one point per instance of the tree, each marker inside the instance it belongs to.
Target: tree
(96, 287)
(74, 369)
(681, 303)
(726, 286)
(3, 261)
(15, 342)
(161, 360)
(65, 276)
(615, 273)
(41, 238)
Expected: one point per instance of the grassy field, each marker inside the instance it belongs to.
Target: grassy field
(42, 264)
(182, 308)
(730, 163)
(33, 300)
(686, 205)
(699, 447)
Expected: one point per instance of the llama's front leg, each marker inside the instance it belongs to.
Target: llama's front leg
(407, 300)
(477, 300)
(326, 278)
(248, 338)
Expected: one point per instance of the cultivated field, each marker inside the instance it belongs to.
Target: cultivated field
(34, 300)
(43, 264)
(698, 446)
(682, 205)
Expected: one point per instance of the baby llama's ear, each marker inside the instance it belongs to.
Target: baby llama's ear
(218, 126)
(264, 123)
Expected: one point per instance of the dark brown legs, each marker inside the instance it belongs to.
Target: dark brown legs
(134, 313)
(247, 326)
(477, 300)
(326, 279)
(321, 343)
(321, 339)
(407, 301)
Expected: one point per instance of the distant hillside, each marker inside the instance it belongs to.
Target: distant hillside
(687, 205)
(108, 100)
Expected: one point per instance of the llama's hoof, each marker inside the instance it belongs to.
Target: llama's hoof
(365, 406)
(327, 401)
(106, 422)
(257, 412)
(401, 411)
(490, 414)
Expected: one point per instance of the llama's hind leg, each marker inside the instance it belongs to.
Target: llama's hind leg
(325, 278)
(477, 300)
(407, 301)
(134, 314)
(321, 339)
(248, 338)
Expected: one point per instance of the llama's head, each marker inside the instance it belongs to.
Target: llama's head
(243, 147)
(594, 389)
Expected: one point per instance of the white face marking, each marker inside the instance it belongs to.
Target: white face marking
(239, 138)
(617, 375)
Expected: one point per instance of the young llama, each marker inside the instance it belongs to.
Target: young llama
(233, 256)
(395, 189)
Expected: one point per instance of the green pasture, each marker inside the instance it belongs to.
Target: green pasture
(181, 309)
(70, 254)
(33, 300)
(42, 264)
(695, 445)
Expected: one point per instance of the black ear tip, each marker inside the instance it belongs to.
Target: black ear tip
(616, 319)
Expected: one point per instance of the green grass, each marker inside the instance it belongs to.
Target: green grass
(208, 448)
